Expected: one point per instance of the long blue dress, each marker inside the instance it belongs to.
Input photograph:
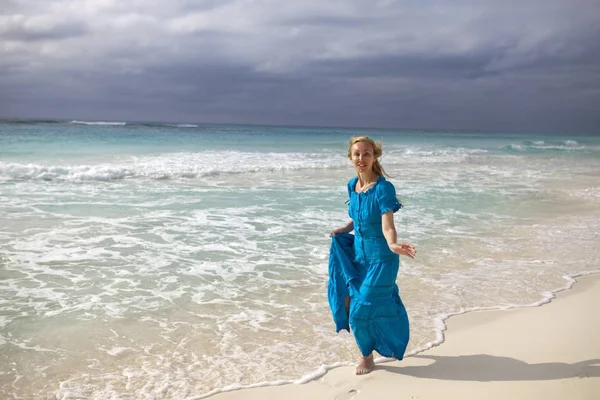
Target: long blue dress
(363, 266)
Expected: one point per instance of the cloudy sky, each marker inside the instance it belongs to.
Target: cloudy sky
(431, 64)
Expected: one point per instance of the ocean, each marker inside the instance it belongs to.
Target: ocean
(166, 261)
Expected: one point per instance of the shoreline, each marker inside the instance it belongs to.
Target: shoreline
(449, 351)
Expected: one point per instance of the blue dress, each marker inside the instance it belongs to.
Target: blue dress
(363, 266)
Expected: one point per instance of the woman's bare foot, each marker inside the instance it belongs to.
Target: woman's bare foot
(365, 365)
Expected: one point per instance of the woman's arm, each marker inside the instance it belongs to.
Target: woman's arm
(389, 231)
(349, 227)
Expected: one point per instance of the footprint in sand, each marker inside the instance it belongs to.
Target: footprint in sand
(348, 396)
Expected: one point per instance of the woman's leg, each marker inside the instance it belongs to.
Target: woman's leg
(365, 365)
(347, 304)
(363, 336)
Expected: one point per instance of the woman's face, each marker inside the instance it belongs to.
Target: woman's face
(362, 157)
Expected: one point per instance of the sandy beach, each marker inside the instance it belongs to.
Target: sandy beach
(546, 352)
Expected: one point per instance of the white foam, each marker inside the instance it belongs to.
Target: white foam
(322, 370)
(431, 155)
(171, 166)
(185, 126)
(115, 351)
(102, 123)
(566, 145)
(592, 193)
(38, 348)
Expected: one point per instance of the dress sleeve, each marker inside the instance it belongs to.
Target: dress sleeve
(386, 196)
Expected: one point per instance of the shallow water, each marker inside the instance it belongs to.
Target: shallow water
(145, 261)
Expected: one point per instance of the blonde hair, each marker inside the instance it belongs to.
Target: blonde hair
(377, 152)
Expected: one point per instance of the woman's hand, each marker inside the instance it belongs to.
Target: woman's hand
(404, 249)
(349, 227)
(338, 230)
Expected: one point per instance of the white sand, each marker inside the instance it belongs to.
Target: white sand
(547, 352)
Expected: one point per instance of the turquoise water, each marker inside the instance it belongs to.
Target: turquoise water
(165, 261)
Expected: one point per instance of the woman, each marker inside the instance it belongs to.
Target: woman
(375, 312)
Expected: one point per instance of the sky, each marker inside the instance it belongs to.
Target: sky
(517, 65)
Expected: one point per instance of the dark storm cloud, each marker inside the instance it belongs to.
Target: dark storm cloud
(408, 65)
(466, 64)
